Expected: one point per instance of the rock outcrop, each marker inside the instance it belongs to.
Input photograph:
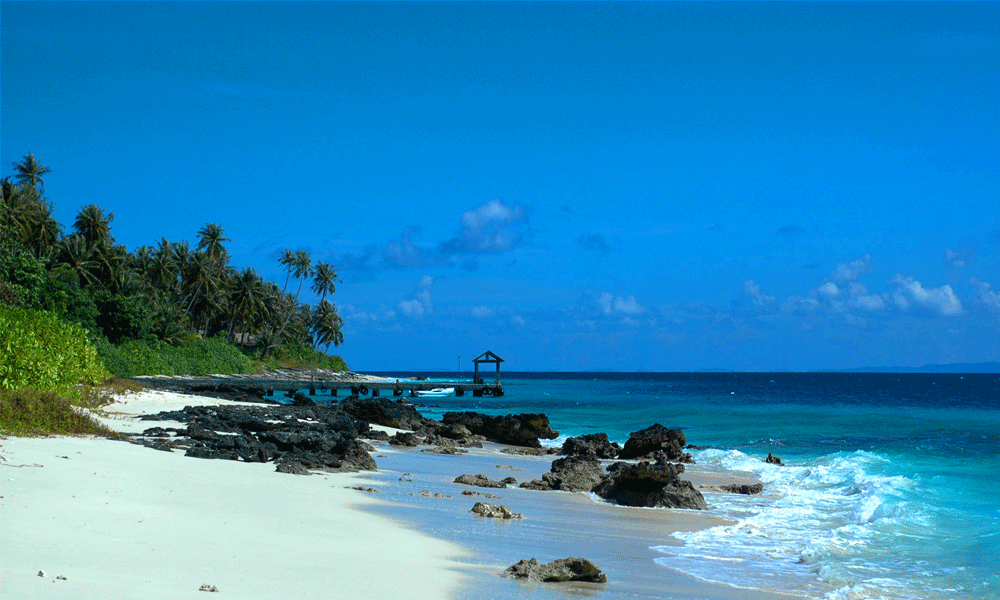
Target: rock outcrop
(649, 484)
(483, 481)
(596, 444)
(383, 411)
(404, 438)
(748, 489)
(517, 430)
(772, 459)
(570, 474)
(299, 437)
(564, 569)
(495, 511)
(656, 438)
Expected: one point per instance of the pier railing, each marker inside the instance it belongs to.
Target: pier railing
(332, 382)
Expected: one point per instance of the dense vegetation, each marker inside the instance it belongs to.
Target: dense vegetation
(39, 351)
(76, 307)
(171, 292)
(47, 372)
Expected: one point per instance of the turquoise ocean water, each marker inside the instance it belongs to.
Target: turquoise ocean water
(889, 488)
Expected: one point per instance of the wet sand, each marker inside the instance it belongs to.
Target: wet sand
(555, 525)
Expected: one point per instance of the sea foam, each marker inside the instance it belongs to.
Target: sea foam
(831, 527)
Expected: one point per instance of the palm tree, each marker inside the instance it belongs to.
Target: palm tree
(210, 240)
(301, 268)
(246, 303)
(74, 255)
(30, 171)
(94, 226)
(162, 270)
(324, 278)
(287, 258)
(326, 324)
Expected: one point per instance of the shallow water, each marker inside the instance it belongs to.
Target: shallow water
(887, 490)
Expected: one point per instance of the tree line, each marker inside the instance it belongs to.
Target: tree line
(171, 292)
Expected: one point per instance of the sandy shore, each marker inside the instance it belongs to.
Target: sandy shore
(118, 520)
(110, 519)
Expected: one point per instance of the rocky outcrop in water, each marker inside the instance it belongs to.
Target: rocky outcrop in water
(495, 511)
(596, 444)
(382, 411)
(311, 438)
(404, 438)
(643, 484)
(748, 489)
(649, 484)
(772, 459)
(483, 481)
(517, 430)
(570, 474)
(564, 569)
(656, 438)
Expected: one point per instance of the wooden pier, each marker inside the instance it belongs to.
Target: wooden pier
(330, 382)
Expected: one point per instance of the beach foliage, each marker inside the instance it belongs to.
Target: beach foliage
(154, 357)
(34, 412)
(154, 302)
(40, 351)
(305, 357)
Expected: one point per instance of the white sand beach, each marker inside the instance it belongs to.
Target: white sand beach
(110, 519)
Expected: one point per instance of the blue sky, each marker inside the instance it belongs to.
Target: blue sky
(573, 186)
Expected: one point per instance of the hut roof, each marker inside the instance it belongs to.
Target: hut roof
(487, 356)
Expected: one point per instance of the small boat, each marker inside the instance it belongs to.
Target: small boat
(436, 392)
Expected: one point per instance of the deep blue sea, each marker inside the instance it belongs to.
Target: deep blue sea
(889, 488)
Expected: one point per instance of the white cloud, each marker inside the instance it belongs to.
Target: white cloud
(828, 290)
(957, 259)
(517, 320)
(420, 304)
(986, 296)
(852, 270)
(482, 312)
(491, 228)
(403, 254)
(757, 295)
(910, 294)
(610, 304)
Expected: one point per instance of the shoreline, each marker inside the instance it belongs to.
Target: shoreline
(433, 547)
(121, 520)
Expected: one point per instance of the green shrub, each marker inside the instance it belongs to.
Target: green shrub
(306, 357)
(121, 317)
(198, 357)
(31, 412)
(39, 351)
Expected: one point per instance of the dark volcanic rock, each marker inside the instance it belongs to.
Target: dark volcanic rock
(480, 481)
(742, 488)
(445, 449)
(596, 444)
(772, 459)
(656, 438)
(454, 431)
(404, 438)
(570, 474)
(649, 485)
(292, 467)
(378, 435)
(382, 411)
(226, 392)
(521, 450)
(315, 436)
(495, 511)
(518, 430)
(564, 569)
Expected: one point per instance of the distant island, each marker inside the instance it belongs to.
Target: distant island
(985, 367)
